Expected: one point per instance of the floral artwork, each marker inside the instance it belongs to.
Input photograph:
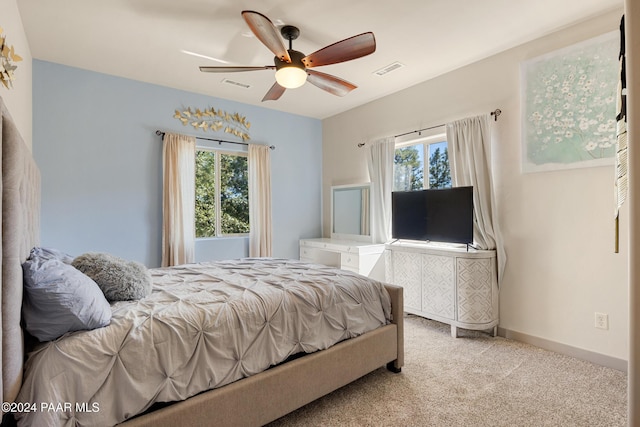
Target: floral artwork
(569, 106)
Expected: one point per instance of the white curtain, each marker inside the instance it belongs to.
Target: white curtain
(178, 199)
(380, 162)
(469, 146)
(260, 240)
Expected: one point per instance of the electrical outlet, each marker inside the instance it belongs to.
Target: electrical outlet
(602, 320)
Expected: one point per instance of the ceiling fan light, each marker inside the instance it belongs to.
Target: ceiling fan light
(291, 77)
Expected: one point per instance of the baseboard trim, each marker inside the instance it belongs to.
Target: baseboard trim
(567, 350)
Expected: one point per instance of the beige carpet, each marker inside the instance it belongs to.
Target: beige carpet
(475, 380)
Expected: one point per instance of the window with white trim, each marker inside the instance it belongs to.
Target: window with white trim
(411, 172)
(222, 193)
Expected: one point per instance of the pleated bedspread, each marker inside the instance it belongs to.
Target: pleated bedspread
(204, 326)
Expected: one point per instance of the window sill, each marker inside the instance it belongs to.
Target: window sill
(226, 237)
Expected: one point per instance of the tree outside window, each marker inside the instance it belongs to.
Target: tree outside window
(410, 169)
(408, 172)
(222, 194)
(439, 172)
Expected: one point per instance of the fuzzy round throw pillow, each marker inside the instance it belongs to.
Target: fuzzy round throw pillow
(119, 279)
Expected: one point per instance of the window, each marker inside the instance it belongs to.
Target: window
(222, 193)
(410, 168)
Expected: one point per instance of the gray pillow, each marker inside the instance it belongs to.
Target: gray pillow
(60, 299)
(119, 279)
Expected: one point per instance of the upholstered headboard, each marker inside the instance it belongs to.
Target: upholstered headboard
(20, 232)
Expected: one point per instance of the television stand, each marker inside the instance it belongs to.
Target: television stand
(453, 285)
(469, 245)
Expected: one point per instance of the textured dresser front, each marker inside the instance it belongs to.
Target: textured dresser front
(439, 285)
(450, 285)
(475, 290)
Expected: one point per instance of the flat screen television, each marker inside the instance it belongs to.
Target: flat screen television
(439, 215)
(409, 215)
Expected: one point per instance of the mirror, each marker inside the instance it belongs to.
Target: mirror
(351, 212)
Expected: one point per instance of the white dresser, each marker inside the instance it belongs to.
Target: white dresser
(360, 257)
(446, 283)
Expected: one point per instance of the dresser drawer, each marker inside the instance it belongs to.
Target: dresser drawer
(359, 257)
(349, 260)
(308, 254)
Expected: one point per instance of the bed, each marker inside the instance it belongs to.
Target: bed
(253, 395)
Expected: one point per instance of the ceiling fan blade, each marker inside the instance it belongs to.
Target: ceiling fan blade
(267, 33)
(274, 93)
(331, 84)
(345, 50)
(232, 69)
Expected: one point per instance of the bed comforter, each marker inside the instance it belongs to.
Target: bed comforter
(204, 326)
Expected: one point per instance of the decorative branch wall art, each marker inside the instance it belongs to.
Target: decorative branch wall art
(7, 58)
(215, 120)
(569, 106)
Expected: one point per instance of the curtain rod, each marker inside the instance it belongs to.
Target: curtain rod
(219, 141)
(495, 113)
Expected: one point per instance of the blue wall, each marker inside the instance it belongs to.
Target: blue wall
(101, 164)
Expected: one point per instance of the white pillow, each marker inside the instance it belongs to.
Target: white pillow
(59, 299)
(50, 253)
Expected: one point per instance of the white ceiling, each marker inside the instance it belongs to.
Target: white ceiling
(144, 39)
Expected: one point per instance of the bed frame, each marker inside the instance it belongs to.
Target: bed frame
(252, 401)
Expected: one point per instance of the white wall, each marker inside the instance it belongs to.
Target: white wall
(17, 99)
(557, 226)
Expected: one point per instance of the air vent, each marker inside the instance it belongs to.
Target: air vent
(234, 83)
(389, 68)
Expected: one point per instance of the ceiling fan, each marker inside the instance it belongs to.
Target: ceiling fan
(293, 68)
